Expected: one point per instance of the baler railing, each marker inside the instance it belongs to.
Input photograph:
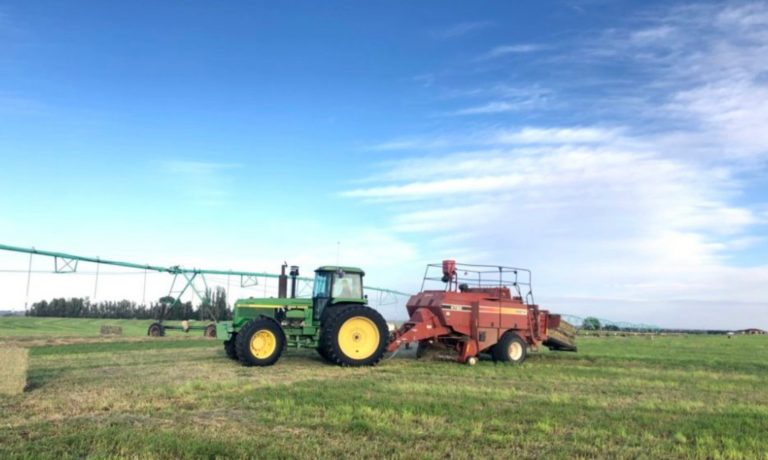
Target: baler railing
(484, 276)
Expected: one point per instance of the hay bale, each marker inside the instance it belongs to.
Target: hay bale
(111, 330)
(13, 362)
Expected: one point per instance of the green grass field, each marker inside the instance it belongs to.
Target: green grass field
(670, 397)
(29, 328)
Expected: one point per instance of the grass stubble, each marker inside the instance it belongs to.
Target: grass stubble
(672, 397)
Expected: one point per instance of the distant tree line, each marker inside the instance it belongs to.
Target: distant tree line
(78, 307)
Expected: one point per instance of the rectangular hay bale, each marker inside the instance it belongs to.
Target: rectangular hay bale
(111, 330)
(13, 362)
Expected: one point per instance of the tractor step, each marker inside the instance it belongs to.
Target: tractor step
(561, 338)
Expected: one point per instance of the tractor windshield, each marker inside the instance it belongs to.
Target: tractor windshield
(322, 284)
(349, 285)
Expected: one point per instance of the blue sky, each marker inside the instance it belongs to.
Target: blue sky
(616, 148)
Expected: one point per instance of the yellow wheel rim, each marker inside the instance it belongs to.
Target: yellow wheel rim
(359, 337)
(263, 344)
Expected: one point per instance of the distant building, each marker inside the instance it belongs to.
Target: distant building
(752, 331)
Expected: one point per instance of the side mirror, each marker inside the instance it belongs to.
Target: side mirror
(340, 273)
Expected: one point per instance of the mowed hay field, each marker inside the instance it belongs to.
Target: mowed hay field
(31, 328)
(670, 397)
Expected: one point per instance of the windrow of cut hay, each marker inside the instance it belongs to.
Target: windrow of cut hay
(13, 362)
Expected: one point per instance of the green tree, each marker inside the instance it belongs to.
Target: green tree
(591, 324)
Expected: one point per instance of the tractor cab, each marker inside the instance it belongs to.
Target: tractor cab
(337, 285)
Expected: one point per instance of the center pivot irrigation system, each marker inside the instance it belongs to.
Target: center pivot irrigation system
(184, 280)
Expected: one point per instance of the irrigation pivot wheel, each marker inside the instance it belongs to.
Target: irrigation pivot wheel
(156, 330)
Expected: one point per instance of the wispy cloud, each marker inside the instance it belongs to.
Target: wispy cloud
(490, 107)
(416, 143)
(556, 136)
(520, 48)
(503, 98)
(651, 196)
(461, 29)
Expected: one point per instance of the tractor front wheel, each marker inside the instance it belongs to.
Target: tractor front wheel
(356, 336)
(260, 343)
(510, 349)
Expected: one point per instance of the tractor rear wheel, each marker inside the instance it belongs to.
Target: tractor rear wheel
(229, 348)
(327, 316)
(156, 330)
(355, 336)
(510, 349)
(321, 352)
(260, 343)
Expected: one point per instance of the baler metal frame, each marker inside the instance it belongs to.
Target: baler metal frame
(497, 280)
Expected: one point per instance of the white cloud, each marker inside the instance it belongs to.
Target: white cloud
(520, 48)
(592, 210)
(491, 107)
(652, 35)
(703, 65)
(415, 143)
(576, 135)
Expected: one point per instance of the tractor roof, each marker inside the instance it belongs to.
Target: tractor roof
(333, 268)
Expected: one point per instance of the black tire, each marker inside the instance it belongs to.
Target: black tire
(321, 352)
(246, 335)
(156, 330)
(327, 316)
(510, 349)
(329, 337)
(210, 331)
(229, 348)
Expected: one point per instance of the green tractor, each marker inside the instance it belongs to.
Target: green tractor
(336, 321)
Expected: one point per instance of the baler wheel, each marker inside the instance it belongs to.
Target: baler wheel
(229, 348)
(356, 336)
(510, 349)
(260, 343)
(156, 330)
(210, 331)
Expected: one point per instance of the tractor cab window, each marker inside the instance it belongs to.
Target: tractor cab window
(322, 285)
(349, 285)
